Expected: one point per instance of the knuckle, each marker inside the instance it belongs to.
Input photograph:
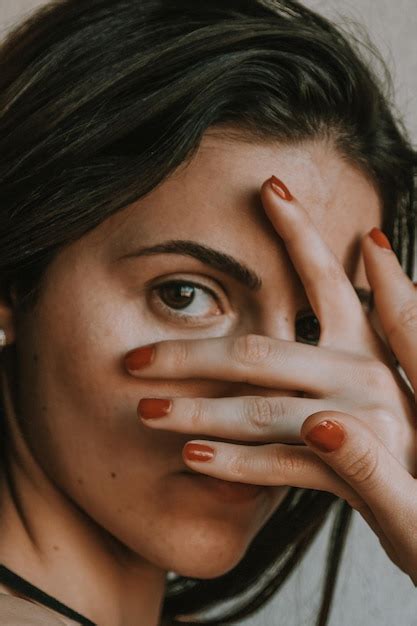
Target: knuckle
(250, 349)
(197, 412)
(331, 271)
(356, 503)
(376, 375)
(237, 466)
(382, 417)
(179, 354)
(287, 464)
(334, 270)
(363, 469)
(259, 412)
(407, 317)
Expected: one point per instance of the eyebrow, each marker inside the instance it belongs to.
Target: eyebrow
(220, 261)
(216, 259)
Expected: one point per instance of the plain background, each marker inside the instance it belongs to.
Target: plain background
(370, 591)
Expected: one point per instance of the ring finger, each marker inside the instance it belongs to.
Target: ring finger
(269, 465)
(275, 465)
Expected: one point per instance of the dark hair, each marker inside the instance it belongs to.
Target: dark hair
(101, 100)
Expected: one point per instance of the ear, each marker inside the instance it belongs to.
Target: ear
(8, 304)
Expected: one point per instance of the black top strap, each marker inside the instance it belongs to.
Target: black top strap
(30, 591)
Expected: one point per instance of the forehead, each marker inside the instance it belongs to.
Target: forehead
(333, 191)
(214, 199)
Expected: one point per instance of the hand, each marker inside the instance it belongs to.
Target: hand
(351, 373)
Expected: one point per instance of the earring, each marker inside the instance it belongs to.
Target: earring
(3, 340)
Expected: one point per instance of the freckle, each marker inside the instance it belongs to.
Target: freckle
(113, 475)
(286, 319)
(118, 510)
(80, 481)
(56, 548)
(35, 358)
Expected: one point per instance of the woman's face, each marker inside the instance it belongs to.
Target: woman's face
(100, 300)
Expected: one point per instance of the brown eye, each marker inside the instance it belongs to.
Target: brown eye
(186, 301)
(307, 328)
(177, 295)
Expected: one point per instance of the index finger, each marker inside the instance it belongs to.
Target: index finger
(252, 359)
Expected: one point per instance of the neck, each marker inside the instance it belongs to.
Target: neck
(46, 539)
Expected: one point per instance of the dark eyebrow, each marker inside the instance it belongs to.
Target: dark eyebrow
(216, 259)
(220, 261)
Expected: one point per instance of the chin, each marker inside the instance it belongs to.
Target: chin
(207, 551)
(207, 544)
(196, 527)
(206, 526)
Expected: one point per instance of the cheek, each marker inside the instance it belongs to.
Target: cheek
(83, 425)
(85, 433)
(79, 410)
(81, 402)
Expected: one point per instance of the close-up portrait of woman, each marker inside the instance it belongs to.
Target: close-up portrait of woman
(208, 322)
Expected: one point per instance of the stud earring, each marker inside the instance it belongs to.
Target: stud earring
(3, 340)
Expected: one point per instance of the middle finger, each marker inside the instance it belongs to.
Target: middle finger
(329, 290)
(244, 418)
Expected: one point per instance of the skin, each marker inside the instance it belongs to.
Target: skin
(99, 491)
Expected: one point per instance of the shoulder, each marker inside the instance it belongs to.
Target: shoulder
(18, 612)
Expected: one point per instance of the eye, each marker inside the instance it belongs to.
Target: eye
(197, 300)
(307, 328)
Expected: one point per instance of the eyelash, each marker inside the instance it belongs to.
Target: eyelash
(190, 319)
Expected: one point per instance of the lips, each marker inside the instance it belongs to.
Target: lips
(224, 490)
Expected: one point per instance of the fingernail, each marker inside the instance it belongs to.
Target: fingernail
(198, 452)
(379, 238)
(326, 436)
(278, 186)
(136, 359)
(151, 408)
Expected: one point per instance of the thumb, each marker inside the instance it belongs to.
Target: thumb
(359, 457)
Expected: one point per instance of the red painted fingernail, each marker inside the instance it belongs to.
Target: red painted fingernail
(151, 408)
(198, 452)
(380, 238)
(278, 186)
(136, 359)
(326, 436)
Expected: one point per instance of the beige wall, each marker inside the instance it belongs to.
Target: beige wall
(370, 590)
(393, 28)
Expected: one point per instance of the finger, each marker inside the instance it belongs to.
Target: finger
(258, 360)
(327, 286)
(244, 418)
(269, 465)
(275, 465)
(395, 299)
(361, 459)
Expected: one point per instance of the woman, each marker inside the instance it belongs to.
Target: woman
(196, 179)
